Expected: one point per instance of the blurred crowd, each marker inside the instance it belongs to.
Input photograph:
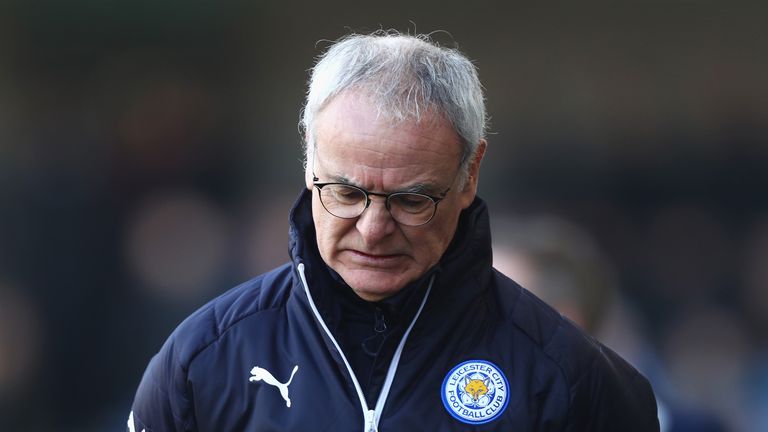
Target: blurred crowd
(148, 164)
(700, 345)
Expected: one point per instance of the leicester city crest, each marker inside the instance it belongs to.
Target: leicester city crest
(475, 392)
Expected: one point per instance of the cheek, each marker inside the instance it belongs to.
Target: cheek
(322, 230)
(431, 245)
(329, 230)
(444, 230)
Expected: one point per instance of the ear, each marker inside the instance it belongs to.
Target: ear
(308, 177)
(308, 168)
(470, 185)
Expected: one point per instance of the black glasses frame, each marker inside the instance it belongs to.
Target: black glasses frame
(435, 199)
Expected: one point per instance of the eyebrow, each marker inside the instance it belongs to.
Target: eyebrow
(341, 179)
(422, 188)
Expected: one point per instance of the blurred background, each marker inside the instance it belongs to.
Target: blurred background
(149, 154)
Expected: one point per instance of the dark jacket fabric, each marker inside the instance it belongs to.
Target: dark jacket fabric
(462, 348)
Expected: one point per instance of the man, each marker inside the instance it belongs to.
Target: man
(389, 316)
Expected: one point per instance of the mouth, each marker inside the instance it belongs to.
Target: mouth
(374, 260)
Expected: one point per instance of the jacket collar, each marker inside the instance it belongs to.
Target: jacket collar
(469, 253)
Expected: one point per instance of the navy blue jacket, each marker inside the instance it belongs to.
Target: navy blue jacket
(465, 348)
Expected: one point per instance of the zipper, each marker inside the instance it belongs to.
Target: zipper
(370, 421)
(379, 324)
(371, 416)
(372, 344)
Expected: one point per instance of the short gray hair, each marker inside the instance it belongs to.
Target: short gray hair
(404, 76)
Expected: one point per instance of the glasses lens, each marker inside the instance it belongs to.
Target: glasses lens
(342, 200)
(411, 208)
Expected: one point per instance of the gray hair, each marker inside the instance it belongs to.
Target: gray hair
(404, 76)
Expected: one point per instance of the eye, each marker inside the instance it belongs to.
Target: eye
(411, 202)
(346, 195)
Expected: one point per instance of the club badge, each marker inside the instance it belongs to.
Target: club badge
(475, 392)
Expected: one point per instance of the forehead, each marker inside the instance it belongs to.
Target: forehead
(354, 140)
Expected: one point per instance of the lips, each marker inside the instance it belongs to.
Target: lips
(374, 260)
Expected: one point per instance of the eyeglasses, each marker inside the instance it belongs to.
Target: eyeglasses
(348, 202)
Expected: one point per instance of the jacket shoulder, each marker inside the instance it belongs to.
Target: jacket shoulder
(162, 401)
(570, 348)
(605, 391)
(267, 291)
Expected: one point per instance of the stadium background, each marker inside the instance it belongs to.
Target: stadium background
(149, 153)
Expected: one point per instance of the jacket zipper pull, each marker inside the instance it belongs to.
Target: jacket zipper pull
(380, 325)
(370, 421)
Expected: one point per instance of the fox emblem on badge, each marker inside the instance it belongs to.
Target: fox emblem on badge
(476, 389)
(475, 392)
(261, 374)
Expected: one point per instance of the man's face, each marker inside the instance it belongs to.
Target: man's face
(375, 255)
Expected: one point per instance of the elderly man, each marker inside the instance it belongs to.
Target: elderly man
(389, 316)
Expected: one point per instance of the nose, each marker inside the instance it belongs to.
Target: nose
(376, 222)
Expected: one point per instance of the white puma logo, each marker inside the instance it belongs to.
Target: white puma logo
(132, 424)
(260, 374)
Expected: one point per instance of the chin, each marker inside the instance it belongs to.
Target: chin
(375, 286)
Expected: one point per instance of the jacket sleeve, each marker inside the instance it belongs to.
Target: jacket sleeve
(612, 396)
(162, 402)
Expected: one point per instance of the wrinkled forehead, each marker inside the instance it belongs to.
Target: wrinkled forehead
(357, 112)
(395, 113)
(354, 139)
